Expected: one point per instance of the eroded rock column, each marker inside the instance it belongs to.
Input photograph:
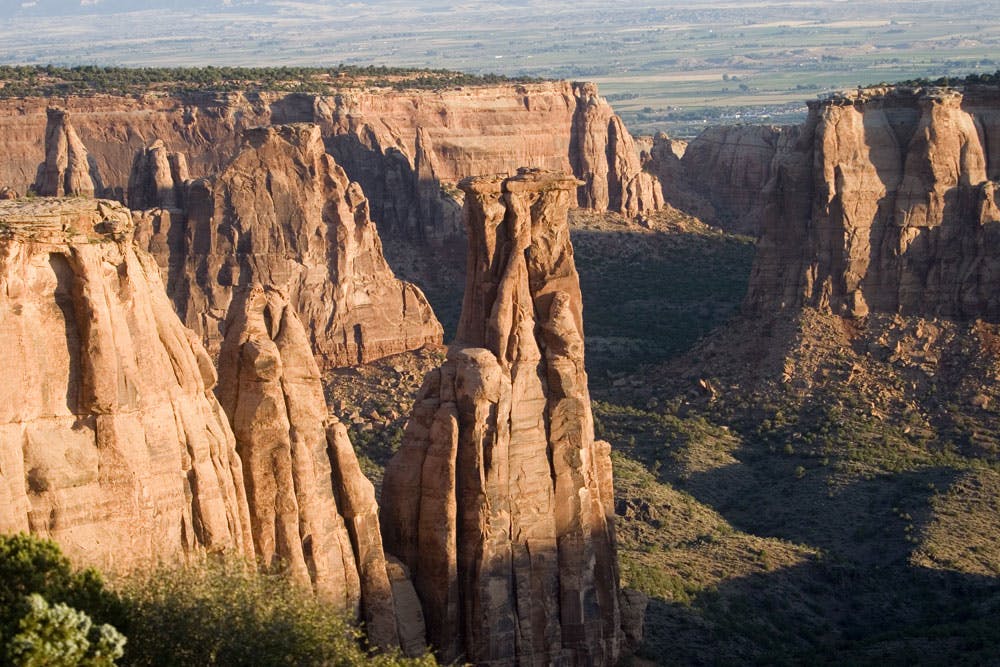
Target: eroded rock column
(499, 500)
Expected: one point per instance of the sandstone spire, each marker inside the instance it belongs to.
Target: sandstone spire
(111, 440)
(157, 178)
(603, 154)
(499, 500)
(311, 507)
(67, 169)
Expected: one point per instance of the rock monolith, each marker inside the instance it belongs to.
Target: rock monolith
(500, 500)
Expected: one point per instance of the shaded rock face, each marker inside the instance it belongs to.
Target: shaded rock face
(311, 508)
(157, 178)
(111, 441)
(720, 175)
(407, 149)
(885, 202)
(284, 215)
(499, 500)
(67, 168)
(604, 156)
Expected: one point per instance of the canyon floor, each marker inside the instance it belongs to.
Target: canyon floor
(787, 492)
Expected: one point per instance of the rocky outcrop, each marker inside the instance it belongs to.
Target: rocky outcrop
(604, 156)
(111, 441)
(407, 149)
(499, 500)
(157, 178)
(67, 168)
(720, 175)
(884, 201)
(311, 508)
(285, 215)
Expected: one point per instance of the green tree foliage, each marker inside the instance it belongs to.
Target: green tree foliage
(60, 636)
(49, 80)
(46, 608)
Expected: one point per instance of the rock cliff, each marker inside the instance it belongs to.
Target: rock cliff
(884, 201)
(720, 175)
(407, 149)
(500, 500)
(311, 508)
(282, 214)
(67, 168)
(111, 441)
(157, 178)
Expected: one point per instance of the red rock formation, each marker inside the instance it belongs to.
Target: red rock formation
(407, 149)
(605, 157)
(499, 500)
(157, 178)
(310, 506)
(67, 168)
(283, 214)
(884, 201)
(111, 441)
(720, 175)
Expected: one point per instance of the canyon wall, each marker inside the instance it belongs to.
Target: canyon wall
(111, 441)
(285, 215)
(407, 149)
(885, 201)
(720, 175)
(499, 499)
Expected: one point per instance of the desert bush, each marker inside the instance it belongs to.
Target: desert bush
(222, 612)
(48, 609)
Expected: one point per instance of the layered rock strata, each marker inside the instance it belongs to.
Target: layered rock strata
(67, 168)
(311, 508)
(884, 201)
(500, 500)
(407, 149)
(111, 441)
(285, 215)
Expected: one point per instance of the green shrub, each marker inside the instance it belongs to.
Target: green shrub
(60, 636)
(224, 613)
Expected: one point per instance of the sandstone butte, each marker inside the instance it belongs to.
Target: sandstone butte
(113, 444)
(885, 201)
(282, 214)
(500, 500)
(407, 149)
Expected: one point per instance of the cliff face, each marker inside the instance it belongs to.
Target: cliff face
(284, 214)
(885, 201)
(720, 175)
(407, 149)
(111, 441)
(500, 500)
(310, 505)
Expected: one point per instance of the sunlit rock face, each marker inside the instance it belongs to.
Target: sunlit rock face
(884, 201)
(500, 500)
(111, 440)
(283, 215)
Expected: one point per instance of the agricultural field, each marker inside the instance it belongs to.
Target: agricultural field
(665, 66)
